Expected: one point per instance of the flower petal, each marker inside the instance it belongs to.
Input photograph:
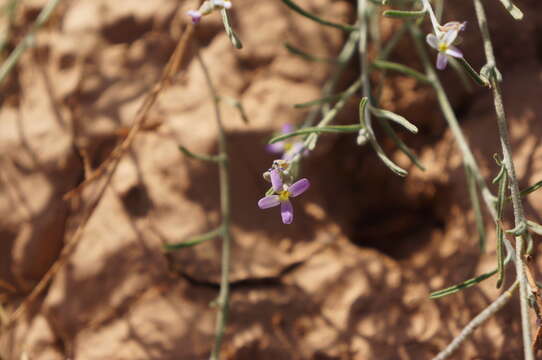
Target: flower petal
(454, 51)
(276, 148)
(442, 61)
(450, 36)
(287, 212)
(268, 202)
(432, 40)
(287, 128)
(195, 15)
(299, 187)
(276, 180)
(296, 148)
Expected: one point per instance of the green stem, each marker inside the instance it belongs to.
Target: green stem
(517, 205)
(223, 296)
(28, 40)
(477, 322)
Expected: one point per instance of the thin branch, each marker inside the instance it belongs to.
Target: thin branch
(476, 323)
(28, 40)
(223, 296)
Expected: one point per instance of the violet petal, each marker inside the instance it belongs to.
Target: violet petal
(276, 148)
(195, 15)
(442, 60)
(287, 128)
(287, 212)
(268, 202)
(450, 36)
(432, 41)
(299, 187)
(454, 51)
(276, 180)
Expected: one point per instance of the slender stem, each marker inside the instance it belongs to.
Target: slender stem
(28, 40)
(519, 217)
(477, 322)
(10, 10)
(223, 296)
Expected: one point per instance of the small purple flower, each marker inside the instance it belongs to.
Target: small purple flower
(442, 42)
(288, 148)
(195, 15)
(283, 192)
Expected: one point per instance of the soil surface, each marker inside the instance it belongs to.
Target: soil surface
(349, 279)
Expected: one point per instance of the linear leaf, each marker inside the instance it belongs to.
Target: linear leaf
(313, 17)
(516, 13)
(238, 105)
(210, 158)
(395, 118)
(376, 146)
(463, 285)
(401, 145)
(297, 51)
(402, 14)
(324, 100)
(323, 129)
(534, 227)
(479, 79)
(388, 65)
(194, 240)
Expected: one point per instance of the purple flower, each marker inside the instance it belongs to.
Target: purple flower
(288, 148)
(283, 192)
(195, 15)
(442, 42)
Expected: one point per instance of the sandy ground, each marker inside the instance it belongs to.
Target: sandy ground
(348, 280)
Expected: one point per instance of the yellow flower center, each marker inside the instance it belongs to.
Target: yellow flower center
(442, 47)
(284, 195)
(287, 147)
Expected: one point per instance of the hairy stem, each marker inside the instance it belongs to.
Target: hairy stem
(519, 217)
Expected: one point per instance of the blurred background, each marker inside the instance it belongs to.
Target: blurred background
(349, 279)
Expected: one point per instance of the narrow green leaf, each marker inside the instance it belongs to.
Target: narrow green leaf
(317, 130)
(531, 189)
(324, 100)
(376, 146)
(403, 69)
(499, 176)
(210, 158)
(516, 13)
(296, 51)
(395, 118)
(401, 14)
(479, 79)
(400, 144)
(501, 198)
(194, 241)
(465, 284)
(313, 17)
(229, 30)
(236, 104)
(534, 227)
